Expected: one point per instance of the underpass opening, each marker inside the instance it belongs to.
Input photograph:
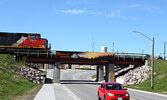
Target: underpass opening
(102, 61)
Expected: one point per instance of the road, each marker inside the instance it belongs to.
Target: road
(77, 85)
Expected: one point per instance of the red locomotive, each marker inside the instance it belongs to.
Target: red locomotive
(22, 41)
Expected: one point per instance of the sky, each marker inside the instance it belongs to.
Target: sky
(75, 25)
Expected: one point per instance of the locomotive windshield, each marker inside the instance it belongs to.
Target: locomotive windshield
(33, 36)
(39, 36)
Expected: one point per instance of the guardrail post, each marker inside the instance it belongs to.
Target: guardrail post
(28, 53)
(124, 57)
(117, 55)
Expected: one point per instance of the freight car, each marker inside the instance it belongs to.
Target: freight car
(22, 41)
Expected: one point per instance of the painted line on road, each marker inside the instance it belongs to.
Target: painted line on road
(71, 93)
(132, 99)
(148, 92)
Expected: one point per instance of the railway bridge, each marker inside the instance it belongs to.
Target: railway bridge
(107, 60)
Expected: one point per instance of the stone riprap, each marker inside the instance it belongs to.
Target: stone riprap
(31, 74)
(136, 76)
(120, 71)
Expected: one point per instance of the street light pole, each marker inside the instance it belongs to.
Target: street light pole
(152, 63)
(152, 59)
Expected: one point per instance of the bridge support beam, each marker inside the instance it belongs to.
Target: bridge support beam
(56, 72)
(109, 75)
(100, 73)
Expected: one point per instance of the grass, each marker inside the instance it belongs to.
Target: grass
(160, 79)
(94, 76)
(84, 69)
(11, 83)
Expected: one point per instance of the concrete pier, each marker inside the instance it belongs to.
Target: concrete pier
(56, 72)
(100, 73)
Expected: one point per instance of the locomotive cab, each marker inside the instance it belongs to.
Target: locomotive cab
(34, 36)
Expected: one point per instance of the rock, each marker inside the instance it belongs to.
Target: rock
(136, 76)
(31, 74)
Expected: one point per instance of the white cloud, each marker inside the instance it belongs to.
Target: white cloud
(110, 15)
(94, 13)
(75, 11)
(117, 13)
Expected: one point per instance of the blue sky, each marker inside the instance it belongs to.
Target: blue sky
(71, 24)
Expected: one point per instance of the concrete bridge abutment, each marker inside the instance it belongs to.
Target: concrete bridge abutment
(100, 73)
(56, 72)
(109, 73)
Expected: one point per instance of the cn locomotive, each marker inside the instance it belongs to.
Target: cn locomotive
(22, 41)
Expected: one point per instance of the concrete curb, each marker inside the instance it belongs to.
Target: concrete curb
(46, 93)
(148, 92)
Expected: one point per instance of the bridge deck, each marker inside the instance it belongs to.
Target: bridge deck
(51, 57)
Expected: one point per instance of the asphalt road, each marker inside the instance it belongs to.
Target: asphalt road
(77, 85)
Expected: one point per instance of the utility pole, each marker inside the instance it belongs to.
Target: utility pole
(92, 45)
(164, 50)
(142, 51)
(152, 58)
(113, 47)
(152, 63)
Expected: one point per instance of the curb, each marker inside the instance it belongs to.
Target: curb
(148, 92)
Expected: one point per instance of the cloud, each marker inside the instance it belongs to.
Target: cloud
(94, 13)
(78, 11)
(112, 14)
(74, 11)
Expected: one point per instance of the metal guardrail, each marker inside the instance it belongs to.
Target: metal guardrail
(130, 55)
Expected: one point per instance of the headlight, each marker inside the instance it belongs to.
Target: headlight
(127, 94)
(110, 94)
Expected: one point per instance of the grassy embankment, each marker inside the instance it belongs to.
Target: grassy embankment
(160, 79)
(12, 84)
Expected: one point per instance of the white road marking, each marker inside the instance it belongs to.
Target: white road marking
(132, 99)
(71, 93)
(152, 93)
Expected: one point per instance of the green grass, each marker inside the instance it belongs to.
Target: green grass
(11, 83)
(94, 76)
(160, 79)
(84, 69)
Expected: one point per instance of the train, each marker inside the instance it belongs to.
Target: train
(23, 41)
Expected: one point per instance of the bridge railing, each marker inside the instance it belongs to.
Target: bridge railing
(52, 54)
(133, 56)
